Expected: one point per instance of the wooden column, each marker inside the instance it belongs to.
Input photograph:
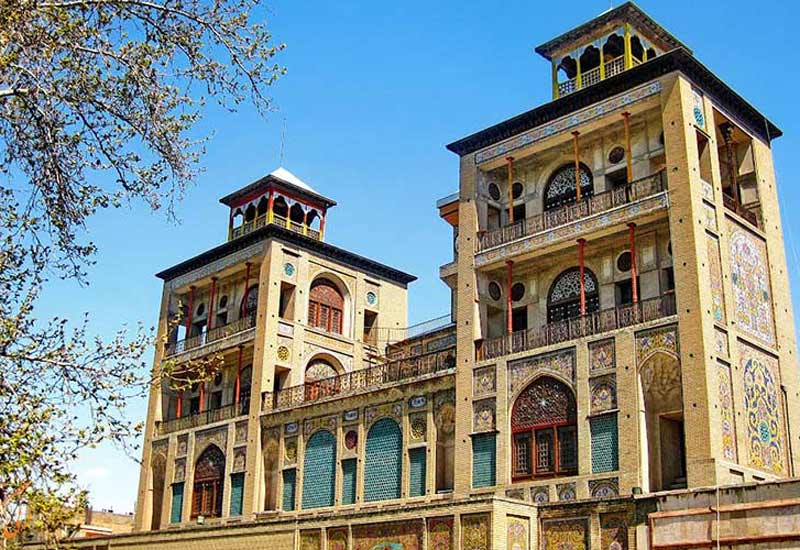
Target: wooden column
(270, 206)
(730, 154)
(212, 297)
(634, 269)
(202, 396)
(322, 226)
(189, 311)
(626, 119)
(576, 152)
(246, 288)
(238, 385)
(305, 222)
(510, 163)
(582, 271)
(509, 302)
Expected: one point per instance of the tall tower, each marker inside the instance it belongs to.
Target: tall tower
(621, 280)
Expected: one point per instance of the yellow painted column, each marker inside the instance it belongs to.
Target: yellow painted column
(602, 65)
(628, 54)
(555, 78)
(578, 80)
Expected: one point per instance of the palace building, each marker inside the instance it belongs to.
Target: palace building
(618, 370)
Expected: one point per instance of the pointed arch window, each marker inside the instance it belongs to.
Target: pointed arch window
(325, 306)
(250, 301)
(209, 474)
(560, 189)
(564, 299)
(543, 424)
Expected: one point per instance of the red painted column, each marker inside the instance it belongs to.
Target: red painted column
(322, 226)
(179, 407)
(509, 302)
(270, 204)
(212, 297)
(246, 288)
(238, 386)
(582, 270)
(634, 269)
(202, 396)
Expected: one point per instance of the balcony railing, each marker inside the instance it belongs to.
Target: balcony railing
(572, 329)
(593, 76)
(216, 333)
(202, 418)
(261, 221)
(369, 378)
(740, 210)
(636, 190)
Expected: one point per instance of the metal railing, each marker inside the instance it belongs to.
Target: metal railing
(393, 335)
(368, 378)
(634, 191)
(593, 76)
(740, 210)
(206, 417)
(216, 333)
(261, 221)
(579, 327)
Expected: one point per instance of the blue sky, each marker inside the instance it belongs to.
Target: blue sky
(373, 93)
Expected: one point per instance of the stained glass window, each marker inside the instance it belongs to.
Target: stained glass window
(560, 189)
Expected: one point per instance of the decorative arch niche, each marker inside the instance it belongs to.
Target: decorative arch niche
(544, 430)
(327, 306)
(209, 481)
(564, 298)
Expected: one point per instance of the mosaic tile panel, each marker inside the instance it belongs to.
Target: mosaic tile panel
(721, 343)
(384, 460)
(483, 415)
(604, 488)
(440, 534)
(475, 532)
(751, 287)
(391, 410)
(418, 426)
(319, 470)
(183, 445)
(715, 279)
(708, 190)
(726, 413)
(404, 535)
(337, 538)
(614, 531)
(516, 533)
(566, 491)
(698, 108)
(180, 470)
(603, 393)
(662, 339)
(522, 371)
(602, 356)
(565, 534)
(605, 443)
(762, 402)
(518, 494)
(568, 122)
(709, 216)
(540, 495)
(483, 381)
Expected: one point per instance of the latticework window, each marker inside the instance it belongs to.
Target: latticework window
(325, 306)
(209, 475)
(560, 189)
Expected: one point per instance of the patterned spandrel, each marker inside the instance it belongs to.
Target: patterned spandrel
(751, 286)
(604, 488)
(602, 356)
(763, 409)
(319, 470)
(522, 371)
(565, 534)
(383, 463)
(726, 413)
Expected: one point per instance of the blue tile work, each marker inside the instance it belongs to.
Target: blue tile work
(416, 473)
(605, 453)
(237, 493)
(384, 461)
(319, 470)
(289, 489)
(483, 460)
(177, 503)
(349, 470)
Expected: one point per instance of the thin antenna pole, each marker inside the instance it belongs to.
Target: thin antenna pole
(283, 141)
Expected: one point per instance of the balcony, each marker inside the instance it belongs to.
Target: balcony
(597, 204)
(593, 76)
(209, 416)
(731, 204)
(379, 376)
(216, 334)
(580, 327)
(261, 221)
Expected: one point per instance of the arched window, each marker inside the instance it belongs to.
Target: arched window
(384, 461)
(280, 208)
(297, 214)
(564, 300)
(250, 301)
(590, 59)
(325, 306)
(250, 213)
(209, 475)
(560, 189)
(319, 470)
(245, 385)
(159, 469)
(263, 206)
(543, 424)
(321, 380)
